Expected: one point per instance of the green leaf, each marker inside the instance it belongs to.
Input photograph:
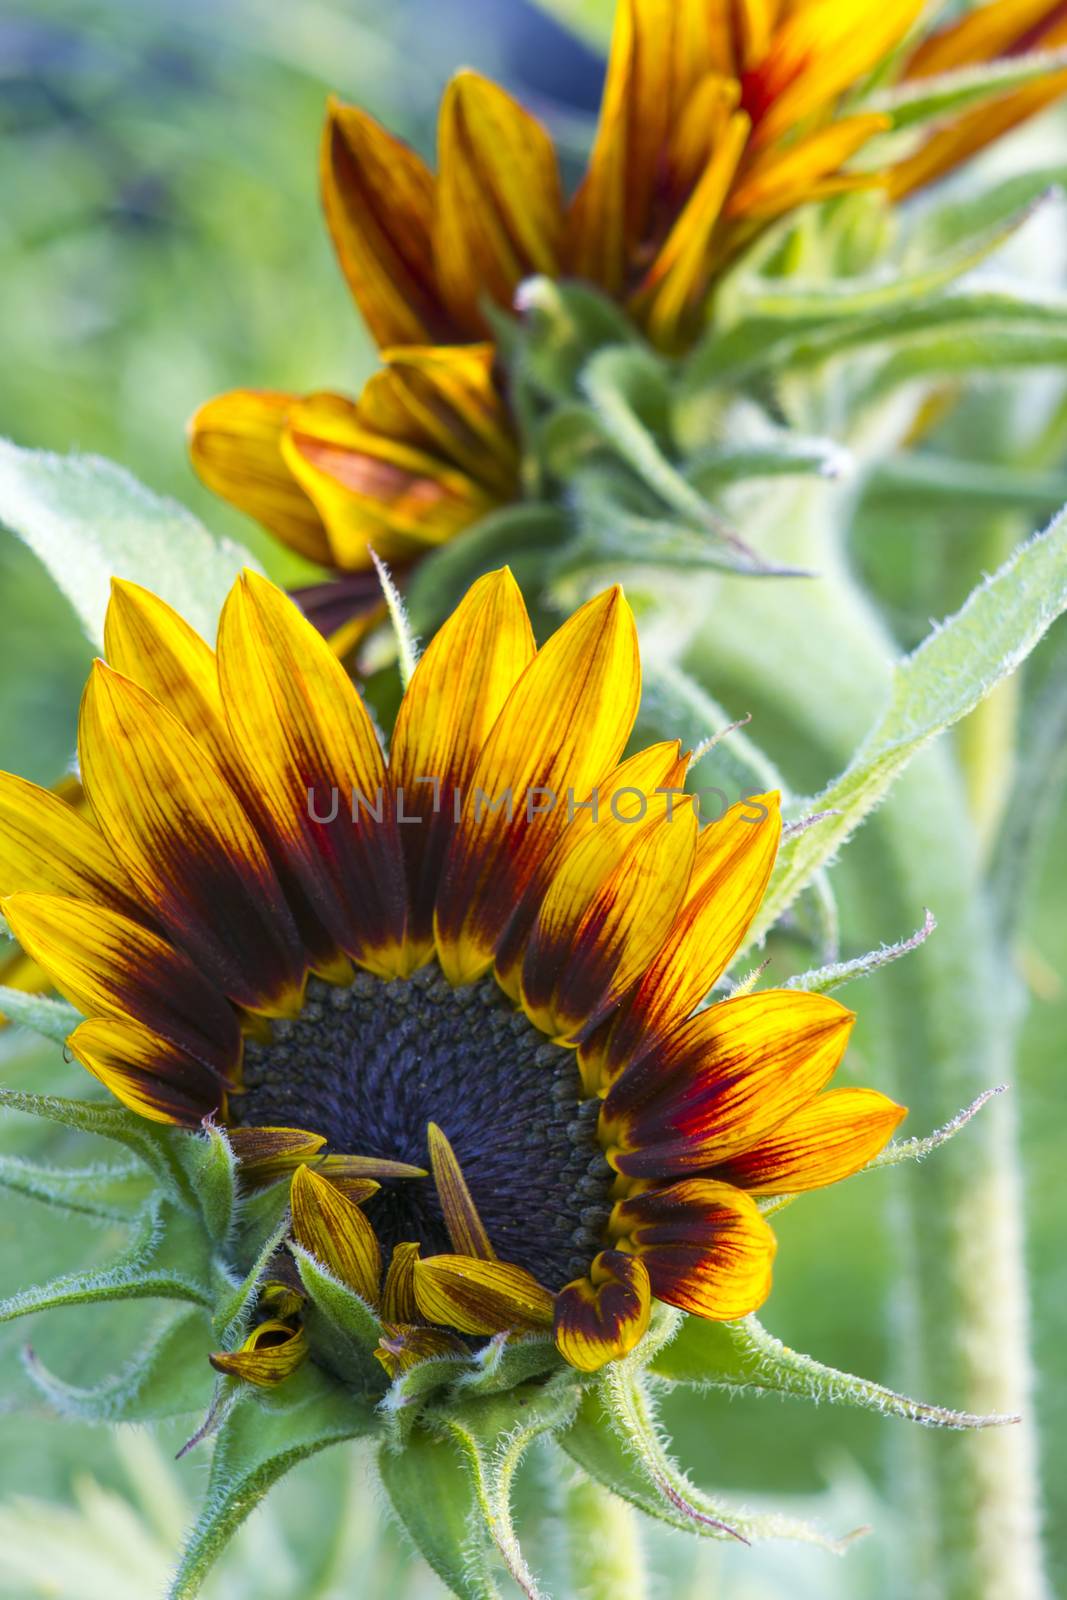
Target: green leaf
(166, 1261)
(211, 1167)
(151, 1142)
(562, 325)
(433, 1496)
(233, 1314)
(507, 1361)
(910, 104)
(936, 480)
(615, 1439)
(111, 1192)
(823, 979)
(88, 521)
(399, 1408)
(346, 1326)
(519, 536)
(744, 1356)
(262, 1435)
(954, 668)
(53, 1019)
(783, 455)
(167, 1377)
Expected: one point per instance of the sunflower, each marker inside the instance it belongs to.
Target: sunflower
(451, 996)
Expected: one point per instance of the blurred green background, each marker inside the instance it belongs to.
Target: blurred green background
(160, 241)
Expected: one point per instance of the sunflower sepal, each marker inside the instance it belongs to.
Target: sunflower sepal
(507, 1361)
(561, 325)
(166, 1377)
(109, 1192)
(744, 1356)
(262, 1434)
(342, 1325)
(52, 1019)
(434, 1500)
(919, 103)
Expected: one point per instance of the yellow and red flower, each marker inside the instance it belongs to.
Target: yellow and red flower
(449, 993)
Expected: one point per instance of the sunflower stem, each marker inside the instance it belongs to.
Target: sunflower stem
(816, 658)
(605, 1558)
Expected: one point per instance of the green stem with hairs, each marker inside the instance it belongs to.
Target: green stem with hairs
(605, 1559)
(813, 659)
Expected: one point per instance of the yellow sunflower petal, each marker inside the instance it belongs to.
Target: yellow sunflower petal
(235, 444)
(605, 916)
(499, 208)
(480, 1296)
(459, 687)
(186, 842)
(398, 1291)
(562, 729)
(705, 1246)
(832, 1137)
(732, 867)
(105, 964)
(336, 1232)
(446, 398)
(782, 178)
(307, 745)
(378, 197)
(48, 847)
(403, 1346)
(465, 1227)
(621, 796)
(722, 1080)
(145, 1071)
(602, 1317)
(979, 35)
(270, 1354)
(267, 1154)
(148, 642)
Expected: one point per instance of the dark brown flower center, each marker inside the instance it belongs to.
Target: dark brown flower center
(369, 1066)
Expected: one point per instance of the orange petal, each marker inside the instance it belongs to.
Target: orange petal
(105, 964)
(378, 197)
(455, 696)
(780, 179)
(146, 1072)
(733, 863)
(830, 1138)
(445, 398)
(979, 35)
(308, 746)
(722, 1080)
(562, 728)
(235, 446)
(480, 1296)
(705, 1245)
(186, 842)
(602, 1317)
(336, 1232)
(499, 208)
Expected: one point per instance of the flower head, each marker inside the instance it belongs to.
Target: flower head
(449, 994)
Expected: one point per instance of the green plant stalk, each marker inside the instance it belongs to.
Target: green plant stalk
(605, 1559)
(814, 657)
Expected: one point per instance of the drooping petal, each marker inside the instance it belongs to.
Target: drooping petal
(622, 798)
(830, 1138)
(705, 1245)
(187, 843)
(602, 1317)
(480, 1296)
(499, 209)
(267, 1154)
(398, 1290)
(781, 178)
(561, 730)
(271, 1353)
(311, 756)
(445, 398)
(235, 444)
(48, 847)
(403, 1346)
(732, 866)
(455, 696)
(336, 1232)
(378, 197)
(978, 35)
(465, 1227)
(605, 916)
(105, 964)
(722, 1080)
(397, 495)
(145, 1071)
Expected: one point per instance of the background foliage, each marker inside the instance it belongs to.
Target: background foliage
(160, 241)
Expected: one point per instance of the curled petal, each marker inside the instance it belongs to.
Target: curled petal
(398, 1291)
(270, 1354)
(602, 1317)
(832, 1137)
(480, 1296)
(705, 1245)
(336, 1232)
(403, 1346)
(235, 442)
